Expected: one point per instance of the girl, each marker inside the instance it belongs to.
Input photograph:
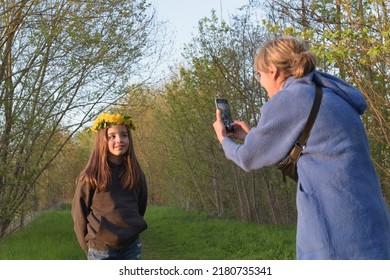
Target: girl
(111, 195)
(341, 210)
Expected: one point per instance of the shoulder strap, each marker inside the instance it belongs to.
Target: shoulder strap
(300, 144)
(312, 116)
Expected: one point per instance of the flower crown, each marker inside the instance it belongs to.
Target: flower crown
(107, 120)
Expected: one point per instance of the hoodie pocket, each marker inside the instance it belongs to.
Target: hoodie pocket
(115, 235)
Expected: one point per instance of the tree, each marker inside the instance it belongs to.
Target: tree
(61, 62)
(183, 159)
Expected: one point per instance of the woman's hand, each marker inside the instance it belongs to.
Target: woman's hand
(219, 127)
(241, 129)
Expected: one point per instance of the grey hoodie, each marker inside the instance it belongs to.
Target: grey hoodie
(109, 219)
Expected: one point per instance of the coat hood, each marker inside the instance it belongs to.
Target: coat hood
(349, 93)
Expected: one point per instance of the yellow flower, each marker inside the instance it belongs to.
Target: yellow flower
(108, 120)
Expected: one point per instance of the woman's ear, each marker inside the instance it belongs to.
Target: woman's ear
(274, 71)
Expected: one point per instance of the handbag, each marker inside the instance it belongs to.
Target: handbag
(288, 165)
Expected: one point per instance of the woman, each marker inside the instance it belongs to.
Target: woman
(341, 210)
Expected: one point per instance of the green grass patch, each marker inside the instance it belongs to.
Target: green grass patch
(172, 234)
(176, 234)
(49, 237)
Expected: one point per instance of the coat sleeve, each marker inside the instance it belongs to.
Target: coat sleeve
(81, 206)
(282, 120)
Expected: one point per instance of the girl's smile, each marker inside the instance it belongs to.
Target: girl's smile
(118, 143)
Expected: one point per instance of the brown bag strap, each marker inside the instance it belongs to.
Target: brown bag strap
(300, 144)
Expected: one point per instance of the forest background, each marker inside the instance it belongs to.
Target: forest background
(63, 62)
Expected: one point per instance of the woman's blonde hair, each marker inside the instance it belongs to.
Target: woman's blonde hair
(97, 174)
(291, 56)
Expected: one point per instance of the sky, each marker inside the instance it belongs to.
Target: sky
(183, 16)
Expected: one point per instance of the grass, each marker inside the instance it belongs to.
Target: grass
(176, 234)
(172, 234)
(49, 237)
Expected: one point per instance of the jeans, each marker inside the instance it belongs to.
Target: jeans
(131, 252)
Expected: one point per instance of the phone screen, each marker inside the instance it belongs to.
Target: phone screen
(223, 106)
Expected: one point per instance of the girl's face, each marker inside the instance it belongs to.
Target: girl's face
(118, 143)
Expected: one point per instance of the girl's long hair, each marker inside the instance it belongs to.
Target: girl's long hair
(97, 174)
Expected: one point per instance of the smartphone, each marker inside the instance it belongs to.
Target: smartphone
(223, 106)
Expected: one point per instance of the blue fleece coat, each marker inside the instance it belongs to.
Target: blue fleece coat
(341, 210)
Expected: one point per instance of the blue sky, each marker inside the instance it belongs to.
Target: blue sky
(183, 15)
